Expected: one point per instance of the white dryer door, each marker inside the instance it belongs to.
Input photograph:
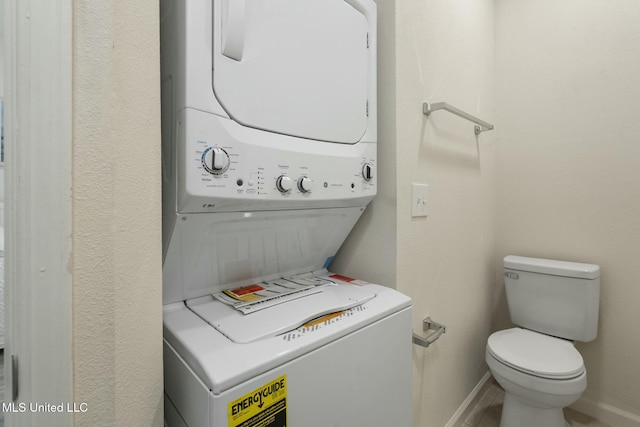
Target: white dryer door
(294, 67)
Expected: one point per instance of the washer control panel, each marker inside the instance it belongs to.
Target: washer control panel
(224, 171)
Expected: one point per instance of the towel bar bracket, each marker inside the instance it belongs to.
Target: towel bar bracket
(429, 325)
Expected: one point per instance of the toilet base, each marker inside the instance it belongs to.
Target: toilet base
(516, 413)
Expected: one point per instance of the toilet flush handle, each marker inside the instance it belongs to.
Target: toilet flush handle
(511, 275)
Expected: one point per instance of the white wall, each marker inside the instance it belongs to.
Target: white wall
(370, 251)
(117, 283)
(435, 51)
(445, 52)
(569, 164)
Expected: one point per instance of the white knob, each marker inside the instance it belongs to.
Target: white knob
(215, 160)
(284, 184)
(305, 184)
(367, 171)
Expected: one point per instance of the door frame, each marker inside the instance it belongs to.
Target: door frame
(38, 67)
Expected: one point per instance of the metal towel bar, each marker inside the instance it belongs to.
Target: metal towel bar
(429, 325)
(427, 109)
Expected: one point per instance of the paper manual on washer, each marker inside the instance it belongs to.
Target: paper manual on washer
(257, 296)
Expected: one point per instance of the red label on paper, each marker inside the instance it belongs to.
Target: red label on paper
(247, 290)
(343, 278)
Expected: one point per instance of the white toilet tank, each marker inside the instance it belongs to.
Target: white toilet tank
(556, 298)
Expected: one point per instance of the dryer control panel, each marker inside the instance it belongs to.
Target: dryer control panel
(227, 167)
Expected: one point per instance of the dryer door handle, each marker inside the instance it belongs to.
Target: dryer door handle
(233, 28)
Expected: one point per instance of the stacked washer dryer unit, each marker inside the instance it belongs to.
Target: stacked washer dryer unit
(269, 159)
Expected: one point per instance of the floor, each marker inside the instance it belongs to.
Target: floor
(487, 411)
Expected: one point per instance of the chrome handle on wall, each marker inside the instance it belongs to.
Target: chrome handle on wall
(429, 325)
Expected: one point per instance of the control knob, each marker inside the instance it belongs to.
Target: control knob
(215, 160)
(284, 184)
(305, 184)
(367, 171)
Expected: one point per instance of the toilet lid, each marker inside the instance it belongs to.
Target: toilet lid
(536, 354)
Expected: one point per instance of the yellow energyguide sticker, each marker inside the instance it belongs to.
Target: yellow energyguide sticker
(265, 406)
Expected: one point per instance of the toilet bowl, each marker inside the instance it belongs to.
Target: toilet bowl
(540, 375)
(554, 303)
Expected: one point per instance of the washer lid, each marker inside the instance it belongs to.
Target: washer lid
(269, 322)
(536, 354)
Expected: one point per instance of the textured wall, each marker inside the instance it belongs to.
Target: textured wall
(117, 319)
(568, 163)
(445, 52)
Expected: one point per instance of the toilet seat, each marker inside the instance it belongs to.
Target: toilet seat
(536, 354)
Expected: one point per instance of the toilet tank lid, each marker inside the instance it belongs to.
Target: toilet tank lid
(549, 266)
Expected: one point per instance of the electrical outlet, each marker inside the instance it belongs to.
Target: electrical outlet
(419, 200)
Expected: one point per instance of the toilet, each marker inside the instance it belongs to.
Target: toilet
(552, 303)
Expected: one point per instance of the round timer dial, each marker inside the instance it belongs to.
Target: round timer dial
(367, 171)
(215, 160)
(284, 184)
(305, 184)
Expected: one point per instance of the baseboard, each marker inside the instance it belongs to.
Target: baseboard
(606, 413)
(470, 401)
